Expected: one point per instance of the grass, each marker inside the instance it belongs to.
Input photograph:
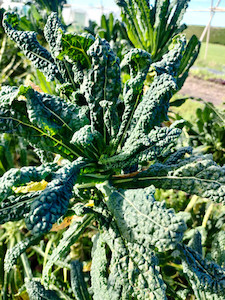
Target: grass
(215, 57)
(187, 110)
(217, 35)
(205, 74)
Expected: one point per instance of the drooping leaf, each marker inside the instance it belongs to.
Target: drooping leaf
(15, 208)
(53, 114)
(27, 42)
(53, 201)
(15, 113)
(78, 284)
(70, 236)
(207, 278)
(143, 148)
(196, 175)
(17, 177)
(13, 254)
(36, 291)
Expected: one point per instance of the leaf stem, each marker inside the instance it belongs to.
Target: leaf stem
(207, 215)
(191, 203)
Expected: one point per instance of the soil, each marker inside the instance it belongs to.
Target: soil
(207, 90)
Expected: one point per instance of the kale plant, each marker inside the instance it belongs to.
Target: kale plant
(152, 27)
(116, 150)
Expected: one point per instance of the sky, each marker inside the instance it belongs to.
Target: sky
(190, 18)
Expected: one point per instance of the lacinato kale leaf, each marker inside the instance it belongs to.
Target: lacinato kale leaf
(27, 42)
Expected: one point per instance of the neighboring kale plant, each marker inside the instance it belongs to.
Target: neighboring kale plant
(116, 150)
(152, 27)
(207, 132)
(112, 30)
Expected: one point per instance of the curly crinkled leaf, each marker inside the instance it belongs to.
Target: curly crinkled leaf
(53, 201)
(218, 248)
(53, 32)
(143, 147)
(101, 82)
(16, 208)
(70, 236)
(171, 61)
(143, 220)
(155, 103)
(13, 254)
(16, 177)
(39, 56)
(138, 61)
(110, 118)
(133, 270)
(36, 291)
(207, 278)
(90, 141)
(196, 175)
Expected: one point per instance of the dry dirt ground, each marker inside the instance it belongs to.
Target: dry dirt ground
(208, 91)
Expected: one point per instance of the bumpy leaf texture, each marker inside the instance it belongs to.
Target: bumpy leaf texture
(15, 252)
(16, 177)
(218, 248)
(138, 62)
(53, 201)
(15, 208)
(143, 148)
(196, 175)
(46, 122)
(207, 278)
(78, 284)
(89, 140)
(142, 220)
(101, 82)
(27, 42)
(36, 291)
(155, 103)
(134, 273)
